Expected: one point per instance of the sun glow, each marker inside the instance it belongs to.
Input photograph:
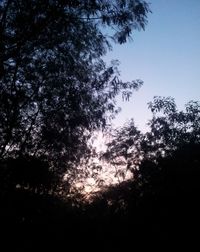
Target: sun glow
(97, 174)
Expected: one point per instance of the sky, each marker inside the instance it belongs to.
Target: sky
(166, 56)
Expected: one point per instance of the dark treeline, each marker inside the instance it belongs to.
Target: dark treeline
(158, 207)
(55, 92)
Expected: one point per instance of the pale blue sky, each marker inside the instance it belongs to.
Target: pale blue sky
(166, 56)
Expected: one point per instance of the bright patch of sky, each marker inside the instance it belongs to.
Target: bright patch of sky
(166, 56)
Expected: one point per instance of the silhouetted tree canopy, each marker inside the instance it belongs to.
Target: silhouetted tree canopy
(160, 205)
(26, 173)
(55, 89)
(169, 130)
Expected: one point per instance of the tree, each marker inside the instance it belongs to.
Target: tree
(55, 89)
(161, 202)
(124, 150)
(170, 130)
(25, 173)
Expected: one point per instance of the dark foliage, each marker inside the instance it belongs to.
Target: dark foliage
(159, 208)
(161, 204)
(26, 173)
(55, 89)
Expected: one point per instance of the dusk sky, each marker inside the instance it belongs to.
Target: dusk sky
(166, 56)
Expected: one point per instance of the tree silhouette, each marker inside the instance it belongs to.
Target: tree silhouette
(55, 89)
(162, 199)
(124, 151)
(26, 173)
(170, 129)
